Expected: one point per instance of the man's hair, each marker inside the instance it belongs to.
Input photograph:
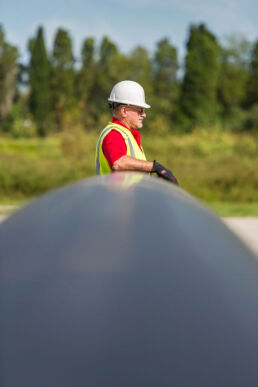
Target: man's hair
(113, 106)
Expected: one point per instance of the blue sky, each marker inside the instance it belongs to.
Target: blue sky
(128, 23)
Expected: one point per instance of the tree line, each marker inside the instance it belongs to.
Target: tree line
(55, 91)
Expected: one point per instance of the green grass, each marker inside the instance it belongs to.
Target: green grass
(38, 148)
(220, 168)
(6, 201)
(10, 205)
(212, 165)
(7, 211)
(234, 209)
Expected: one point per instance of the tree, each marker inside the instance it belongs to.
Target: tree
(233, 74)
(112, 67)
(8, 73)
(106, 72)
(252, 90)
(39, 75)
(140, 70)
(85, 79)
(199, 88)
(165, 66)
(62, 76)
(86, 75)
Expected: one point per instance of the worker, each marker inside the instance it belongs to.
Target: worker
(119, 146)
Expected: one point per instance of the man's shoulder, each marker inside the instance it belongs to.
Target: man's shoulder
(113, 134)
(114, 127)
(110, 127)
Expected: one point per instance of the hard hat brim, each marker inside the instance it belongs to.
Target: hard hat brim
(127, 102)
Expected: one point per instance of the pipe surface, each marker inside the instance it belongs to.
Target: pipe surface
(116, 282)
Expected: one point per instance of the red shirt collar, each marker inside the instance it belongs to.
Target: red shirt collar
(135, 132)
(116, 121)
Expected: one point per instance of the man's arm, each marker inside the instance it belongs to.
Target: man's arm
(128, 163)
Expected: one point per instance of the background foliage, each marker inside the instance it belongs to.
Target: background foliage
(54, 89)
(203, 123)
(213, 165)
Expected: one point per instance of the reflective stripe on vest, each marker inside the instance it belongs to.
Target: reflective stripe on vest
(100, 140)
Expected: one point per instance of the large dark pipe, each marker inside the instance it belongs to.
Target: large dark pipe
(115, 282)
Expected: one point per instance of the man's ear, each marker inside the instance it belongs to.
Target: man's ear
(123, 111)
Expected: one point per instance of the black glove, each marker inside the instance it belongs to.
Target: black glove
(164, 172)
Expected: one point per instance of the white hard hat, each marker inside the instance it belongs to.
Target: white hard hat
(129, 93)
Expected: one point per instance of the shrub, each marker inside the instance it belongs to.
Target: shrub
(16, 126)
(251, 122)
(157, 126)
(74, 144)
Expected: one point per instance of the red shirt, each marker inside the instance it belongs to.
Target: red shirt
(114, 146)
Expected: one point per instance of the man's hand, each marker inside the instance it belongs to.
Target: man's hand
(164, 172)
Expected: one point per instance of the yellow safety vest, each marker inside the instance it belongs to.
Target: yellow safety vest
(133, 149)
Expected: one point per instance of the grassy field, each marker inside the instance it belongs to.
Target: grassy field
(234, 209)
(219, 168)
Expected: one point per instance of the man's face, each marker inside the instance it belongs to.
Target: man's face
(134, 116)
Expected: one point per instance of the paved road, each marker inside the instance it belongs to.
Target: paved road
(245, 228)
(3, 217)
